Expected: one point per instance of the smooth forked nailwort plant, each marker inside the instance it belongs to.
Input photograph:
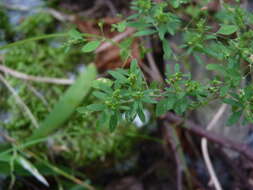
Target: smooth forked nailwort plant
(224, 51)
(125, 96)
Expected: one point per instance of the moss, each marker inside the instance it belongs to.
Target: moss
(80, 142)
(39, 23)
(38, 60)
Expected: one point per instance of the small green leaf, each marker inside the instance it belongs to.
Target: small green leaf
(100, 95)
(147, 99)
(177, 3)
(103, 81)
(232, 102)
(96, 107)
(120, 26)
(125, 108)
(227, 29)
(104, 87)
(161, 107)
(144, 33)
(215, 67)
(177, 68)
(113, 122)
(74, 34)
(234, 118)
(170, 101)
(167, 50)
(102, 120)
(224, 90)
(181, 106)
(90, 46)
(118, 76)
(210, 37)
(125, 48)
(134, 65)
(162, 31)
(82, 110)
(141, 113)
(32, 169)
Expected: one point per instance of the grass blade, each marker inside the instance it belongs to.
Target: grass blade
(67, 104)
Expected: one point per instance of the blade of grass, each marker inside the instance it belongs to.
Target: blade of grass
(67, 104)
(63, 173)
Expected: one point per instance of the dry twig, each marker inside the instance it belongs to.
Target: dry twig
(20, 102)
(38, 94)
(172, 137)
(35, 78)
(192, 127)
(204, 148)
(155, 72)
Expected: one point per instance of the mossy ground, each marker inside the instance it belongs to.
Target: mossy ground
(79, 141)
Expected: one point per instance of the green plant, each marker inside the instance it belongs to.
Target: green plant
(128, 93)
(120, 98)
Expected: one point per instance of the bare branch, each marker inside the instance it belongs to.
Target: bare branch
(35, 78)
(155, 72)
(20, 102)
(192, 127)
(204, 148)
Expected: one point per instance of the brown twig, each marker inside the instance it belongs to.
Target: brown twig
(204, 147)
(59, 15)
(7, 137)
(170, 137)
(20, 102)
(35, 78)
(211, 136)
(155, 72)
(38, 94)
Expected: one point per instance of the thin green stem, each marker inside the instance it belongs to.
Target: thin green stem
(47, 36)
(57, 35)
(24, 145)
(63, 173)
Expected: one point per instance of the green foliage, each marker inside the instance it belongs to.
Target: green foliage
(129, 94)
(227, 29)
(84, 142)
(126, 96)
(39, 56)
(102, 126)
(153, 18)
(90, 46)
(35, 24)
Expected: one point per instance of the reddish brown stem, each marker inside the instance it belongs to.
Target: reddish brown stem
(192, 127)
